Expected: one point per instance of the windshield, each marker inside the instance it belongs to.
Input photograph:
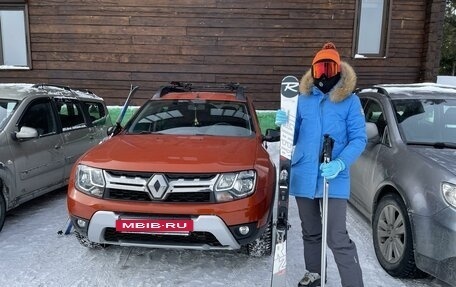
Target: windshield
(427, 120)
(192, 117)
(6, 110)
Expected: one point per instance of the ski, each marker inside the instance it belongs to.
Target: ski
(288, 102)
(118, 127)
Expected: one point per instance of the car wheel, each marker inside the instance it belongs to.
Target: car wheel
(392, 236)
(84, 241)
(262, 246)
(2, 211)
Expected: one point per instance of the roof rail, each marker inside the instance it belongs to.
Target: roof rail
(67, 88)
(379, 90)
(189, 87)
(42, 85)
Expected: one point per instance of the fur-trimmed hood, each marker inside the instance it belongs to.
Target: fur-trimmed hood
(340, 91)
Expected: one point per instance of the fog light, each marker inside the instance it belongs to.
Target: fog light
(81, 223)
(244, 230)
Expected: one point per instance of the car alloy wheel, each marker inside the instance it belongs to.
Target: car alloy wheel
(392, 236)
(391, 233)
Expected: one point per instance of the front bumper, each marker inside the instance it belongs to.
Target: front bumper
(435, 248)
(101, 229)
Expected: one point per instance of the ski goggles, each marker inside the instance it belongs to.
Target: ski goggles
(327, 68)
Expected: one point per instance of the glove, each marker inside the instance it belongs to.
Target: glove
(331, 169)
(281, 118)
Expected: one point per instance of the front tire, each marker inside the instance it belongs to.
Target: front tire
(84, 241)
(261, 246)
(393, 239)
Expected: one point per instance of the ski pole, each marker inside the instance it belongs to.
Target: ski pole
(328, 143)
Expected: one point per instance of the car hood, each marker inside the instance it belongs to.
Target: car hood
(171, 153)
(443, 157)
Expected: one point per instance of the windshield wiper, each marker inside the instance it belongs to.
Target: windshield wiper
(434, 144)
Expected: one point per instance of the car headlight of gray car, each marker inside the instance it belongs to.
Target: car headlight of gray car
(449, 193)
(90, 180)
(235, 185)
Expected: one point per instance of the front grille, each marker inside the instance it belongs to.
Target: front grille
(121, 194)
(193, 197)
(141, 186)
(193, 238)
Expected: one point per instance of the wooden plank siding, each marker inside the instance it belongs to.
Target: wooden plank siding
(106, 45)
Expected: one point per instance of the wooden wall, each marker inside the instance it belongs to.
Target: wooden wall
(106, 45)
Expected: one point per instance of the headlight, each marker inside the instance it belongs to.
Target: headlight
(90, 180)
(449, 193)
(232, 186)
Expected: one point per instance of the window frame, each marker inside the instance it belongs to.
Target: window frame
(17, 5)
(75, 106)
(385, 31)
(384, 136)
(47, 103)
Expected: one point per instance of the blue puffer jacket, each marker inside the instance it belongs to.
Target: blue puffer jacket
(338, 114)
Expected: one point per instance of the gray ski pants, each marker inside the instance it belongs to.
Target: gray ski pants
(343, 249)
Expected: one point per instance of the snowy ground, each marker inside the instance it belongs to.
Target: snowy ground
(32, 254)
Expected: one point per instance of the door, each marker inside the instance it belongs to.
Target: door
(78, 136)
(366, 172)
(39, 161)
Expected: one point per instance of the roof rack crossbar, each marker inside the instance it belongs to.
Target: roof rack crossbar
(188, 87)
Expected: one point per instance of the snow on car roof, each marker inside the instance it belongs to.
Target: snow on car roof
(428, 88)
(413, 90)
(22, 90)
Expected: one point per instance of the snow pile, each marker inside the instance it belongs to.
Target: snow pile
(32, 254)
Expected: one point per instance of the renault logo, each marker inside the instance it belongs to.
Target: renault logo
(157, 185)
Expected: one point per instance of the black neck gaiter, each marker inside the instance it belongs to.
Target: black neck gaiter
(326, 84)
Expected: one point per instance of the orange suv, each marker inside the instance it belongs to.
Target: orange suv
(188, 170)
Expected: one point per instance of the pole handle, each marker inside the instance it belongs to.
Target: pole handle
(328, 144)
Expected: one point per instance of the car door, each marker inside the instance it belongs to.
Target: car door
(39, 161)
(78, 133)
(366, 172)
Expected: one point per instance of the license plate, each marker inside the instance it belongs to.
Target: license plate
(154, 225)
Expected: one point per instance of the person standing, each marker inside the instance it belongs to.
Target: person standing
(326, 105)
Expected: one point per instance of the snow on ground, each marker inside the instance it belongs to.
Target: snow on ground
(33, 254)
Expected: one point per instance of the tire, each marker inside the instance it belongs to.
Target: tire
(84, 241)
(393, 238)
(261, 246)
(2, 211)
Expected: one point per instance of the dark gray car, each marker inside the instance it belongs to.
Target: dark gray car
(405, 181)
(44, 129)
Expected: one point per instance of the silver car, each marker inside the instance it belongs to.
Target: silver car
(44, 129)
(405, 181)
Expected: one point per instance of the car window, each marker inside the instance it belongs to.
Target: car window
(426, 120)
(374, 114)
(6, 110)
(191, 117)
(70, 113)
(96, 112)
(40, 116)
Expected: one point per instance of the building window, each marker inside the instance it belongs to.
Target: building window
(14, 51)
(371, 28)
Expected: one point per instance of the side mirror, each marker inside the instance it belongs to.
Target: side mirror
(372, 133)
(26, 133)
(272, 135)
